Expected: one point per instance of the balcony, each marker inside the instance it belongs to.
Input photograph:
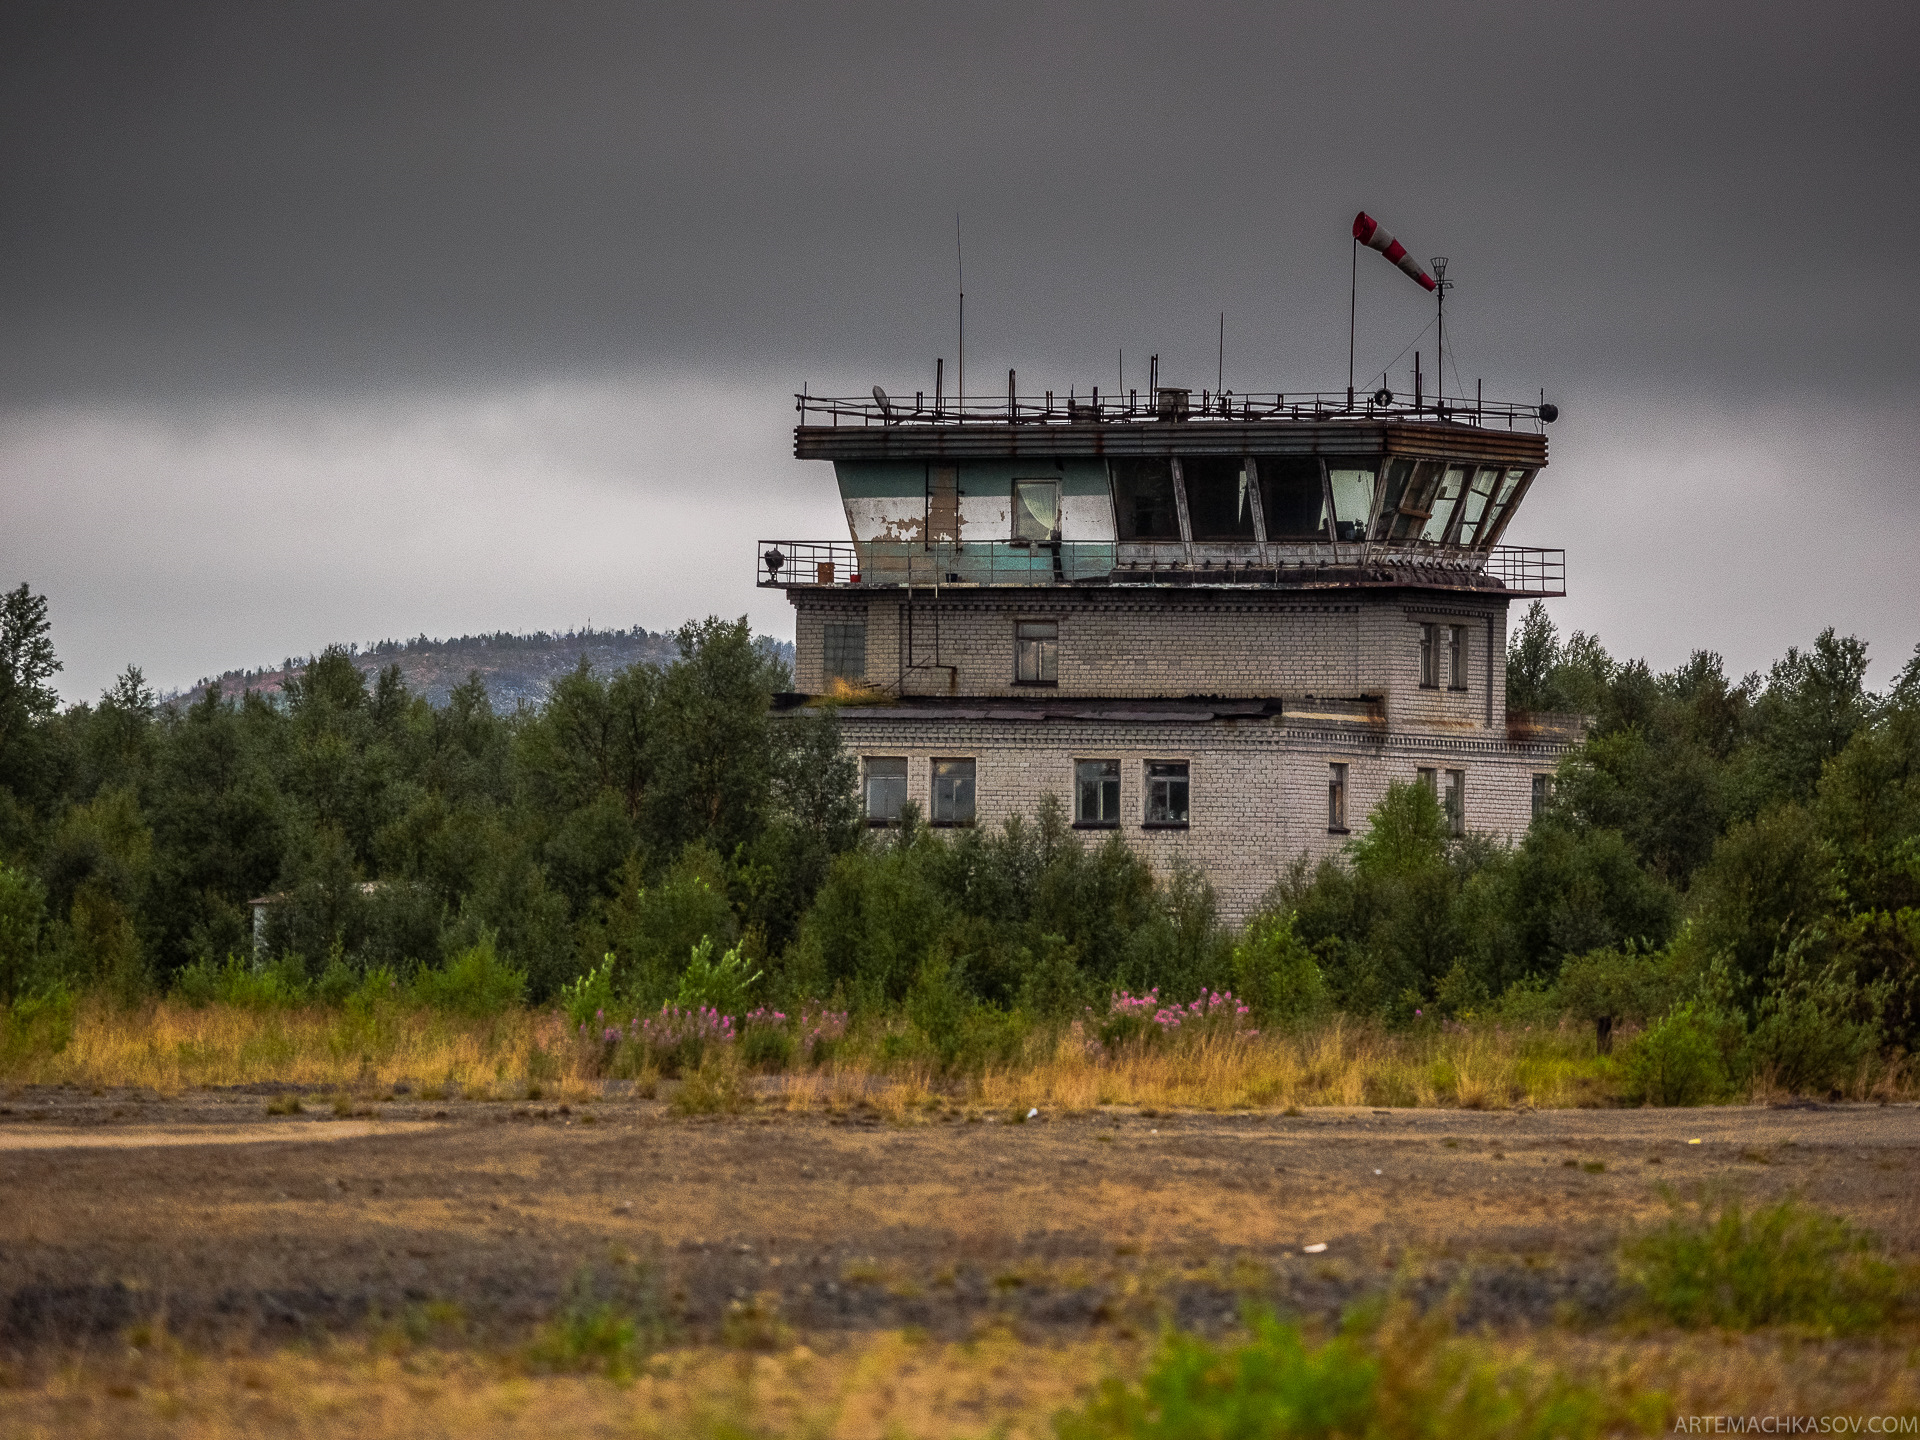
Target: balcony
(1515, 570)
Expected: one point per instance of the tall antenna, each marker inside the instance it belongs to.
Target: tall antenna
(1220, 378)
(1123, 372)
(1353, 309)
(1440, 287)
(960, 266)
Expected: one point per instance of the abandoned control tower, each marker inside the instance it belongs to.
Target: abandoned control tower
(1218, 626)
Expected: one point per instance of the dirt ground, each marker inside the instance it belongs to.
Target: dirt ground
(232, 1226)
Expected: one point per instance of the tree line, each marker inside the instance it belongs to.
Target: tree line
(1748, 848)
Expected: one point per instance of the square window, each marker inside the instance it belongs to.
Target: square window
(1542, 794)
(953, 792)
(1167, 793)
(1036, 510)
(886, 788)
(1455, 802)
(843, 651)
(1337, 798)
(1096, 790)
(1036, 652)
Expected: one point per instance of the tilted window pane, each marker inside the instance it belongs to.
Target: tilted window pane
(844, 650)
(1096, 792)
(886, 786)
(1218, 505)
(1167, 792)
(1479, 493)
(1415, 502)
(1451, 484)
(1036, 509)
(1143, 505)
(953, 792)
(1292, 497)
(1352, 483)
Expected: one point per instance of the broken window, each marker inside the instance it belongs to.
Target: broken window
(1167, 792)
(1337, 798)
(1542, 794)
(1455, 802)
(886, 788)
(1036, 652)
(1351, 481)
(953, 792)
(1292, 497)
(1143, 504)
(943, 505)
(1218, 505)
(1036, 510)
(1451, 484)
(843, 651)
(1456, 657)
(1096, 787)
(1429, 657)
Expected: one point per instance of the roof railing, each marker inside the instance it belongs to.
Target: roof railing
(1169, 405)
(1516, 570)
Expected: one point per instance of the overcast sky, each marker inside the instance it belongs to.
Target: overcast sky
(338, 322)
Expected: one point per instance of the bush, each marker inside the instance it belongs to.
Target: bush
(23, 910)
(1678, 1061)
(476, 982)
(588, 999)
(277, 985)
(1781, 1265)
(1817, 1029)
(651, 928)
(1275, 973)
(710, 984)
(36, 1025)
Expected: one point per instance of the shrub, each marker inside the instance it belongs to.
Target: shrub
(1275, 973)
(1782, 1265)
(1816, 1029)
(36, 1025)
(610, 1320)
(766, 1039)
(649, 928)
(278, 985)
(23, 908)
(591, 996)
(678, 1039)
(1677, 1061)
(475, 982)
(712, 984)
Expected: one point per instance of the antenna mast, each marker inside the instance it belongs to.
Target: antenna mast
(960, 267)
(1353, 308)
(1440, 287)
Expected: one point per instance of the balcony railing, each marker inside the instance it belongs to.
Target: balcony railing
(1169, 404)
(1506, 569)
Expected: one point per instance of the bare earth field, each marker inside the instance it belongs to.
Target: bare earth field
(242, 1234)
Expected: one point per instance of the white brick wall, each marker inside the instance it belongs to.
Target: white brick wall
(1258, 790)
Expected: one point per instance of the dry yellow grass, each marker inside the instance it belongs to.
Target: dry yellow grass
(169, 1047)
(884, 1385)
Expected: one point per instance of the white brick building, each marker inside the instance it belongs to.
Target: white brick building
(1221, 635)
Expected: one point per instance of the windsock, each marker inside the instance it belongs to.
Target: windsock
(1367, 231)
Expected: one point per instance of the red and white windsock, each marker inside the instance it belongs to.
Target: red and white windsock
(1368, 232)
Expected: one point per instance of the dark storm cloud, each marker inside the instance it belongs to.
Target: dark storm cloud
(204, 198)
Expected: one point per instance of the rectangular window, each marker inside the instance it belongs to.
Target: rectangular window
(953, 792)
(1167, 793)
(1036, 510)
(1456, 657)
(1143, 504)
(1429, 657)
(1542, 794)
(886, 788)
(1337, 798)
(1475, 511)
(1036, 652)
(1292, 497)
(943, 505)
(1218, 505)
(1096, 787)
(1455, 802)
(1351, 482)
(843, 651)
(1451, 484)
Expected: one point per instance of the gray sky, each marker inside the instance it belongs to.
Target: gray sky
(346, 321)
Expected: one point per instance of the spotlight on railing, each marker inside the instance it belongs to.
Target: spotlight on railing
(774, 560)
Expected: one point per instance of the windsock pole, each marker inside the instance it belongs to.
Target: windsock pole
(1353, 306)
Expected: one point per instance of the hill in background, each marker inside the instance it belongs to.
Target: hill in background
(515, 668)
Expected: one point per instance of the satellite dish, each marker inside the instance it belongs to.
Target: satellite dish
(880, 398)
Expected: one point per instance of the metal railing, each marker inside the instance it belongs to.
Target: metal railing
(1169, 404)
(1508, 569)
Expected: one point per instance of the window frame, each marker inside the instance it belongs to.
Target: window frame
(1016, 510)
(867, 777)
(934, 778)
(1457, 658)
(1184, 782)
(1453, 803)
(1109, 775)
(1046, 652)
(1339, 776)
(1429, 655)
(828, 674)
(1542, 793)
